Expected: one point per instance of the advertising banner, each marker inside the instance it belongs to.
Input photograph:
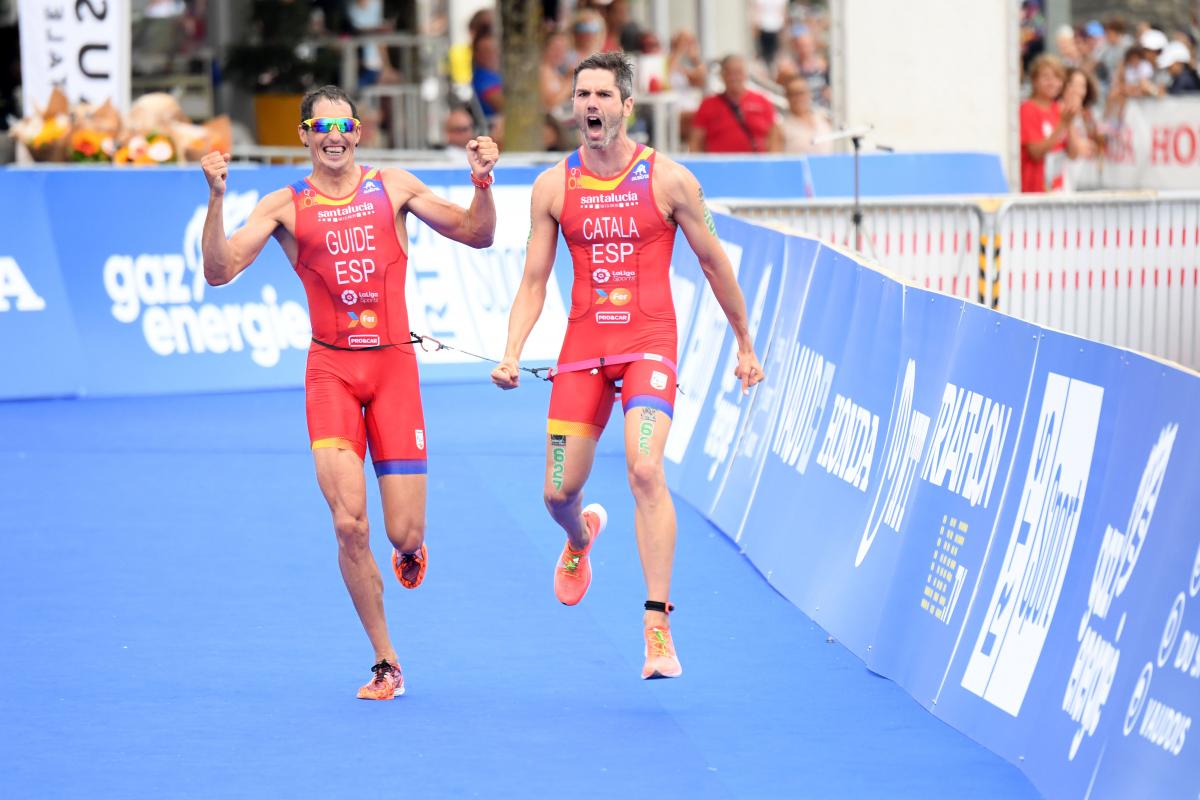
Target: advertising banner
(129, 244)
(1156, 146)
(40, 356)
(1024, 556)
(769, 399)
(81, 48)
(711, 396)
(961, 401)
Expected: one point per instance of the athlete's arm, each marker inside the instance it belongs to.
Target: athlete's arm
(474, 226)
(225, 258)
(688, 209)
(539, 261)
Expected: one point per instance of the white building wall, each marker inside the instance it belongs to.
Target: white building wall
(929, 74)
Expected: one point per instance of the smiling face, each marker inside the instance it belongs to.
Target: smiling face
(334, 150)
(598, 109)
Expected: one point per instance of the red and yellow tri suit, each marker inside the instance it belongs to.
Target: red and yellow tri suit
(361, 382)
(622, 321)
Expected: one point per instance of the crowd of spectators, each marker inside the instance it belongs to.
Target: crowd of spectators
(1079, 84)
(718, 109)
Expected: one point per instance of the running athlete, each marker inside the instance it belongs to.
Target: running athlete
(618, 205)
(343, 229)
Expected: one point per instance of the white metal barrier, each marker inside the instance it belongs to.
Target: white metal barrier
(1120, 269)
(933, 243)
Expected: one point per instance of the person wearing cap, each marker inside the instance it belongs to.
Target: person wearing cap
(1176, 61)
(1153, 40)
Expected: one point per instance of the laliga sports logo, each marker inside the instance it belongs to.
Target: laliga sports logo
(158, 291)
(601, 276)
(349, 297)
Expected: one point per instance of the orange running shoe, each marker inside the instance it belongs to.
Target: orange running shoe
(387, 683)
(661, 661)
(573, 573)
(410, 567)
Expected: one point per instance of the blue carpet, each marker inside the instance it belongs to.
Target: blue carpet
(174, 625)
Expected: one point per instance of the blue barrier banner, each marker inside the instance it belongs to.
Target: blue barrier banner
(40, 356)
(768, 399)
(835, 425)
(136, 283)
(1016, 544)
(1090, 556)
(961, 402)
(711, 399)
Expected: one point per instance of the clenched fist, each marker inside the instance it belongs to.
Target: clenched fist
(482, 155)
(216, 168)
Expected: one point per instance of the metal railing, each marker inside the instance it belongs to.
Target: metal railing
(1118, 269)
(934, 243)
(1121, 269)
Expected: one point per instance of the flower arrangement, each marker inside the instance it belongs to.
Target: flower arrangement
(155, 131)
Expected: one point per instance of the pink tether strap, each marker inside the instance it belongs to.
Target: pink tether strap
(609, 361)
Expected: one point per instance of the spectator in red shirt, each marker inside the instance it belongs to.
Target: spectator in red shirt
(737, 120)
(1045, 124)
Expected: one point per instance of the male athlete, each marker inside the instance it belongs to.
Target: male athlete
(343, 229)
(618, 204)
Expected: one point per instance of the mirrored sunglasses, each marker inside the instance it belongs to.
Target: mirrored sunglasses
(328, 124)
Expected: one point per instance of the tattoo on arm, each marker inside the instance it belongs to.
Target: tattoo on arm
(708, 218)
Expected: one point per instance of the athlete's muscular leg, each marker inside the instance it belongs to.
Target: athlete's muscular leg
(403, 499)
(568, 464)
(340, 475)
(654, 518)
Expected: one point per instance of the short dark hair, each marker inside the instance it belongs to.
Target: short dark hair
(328, 92)
(615, 62)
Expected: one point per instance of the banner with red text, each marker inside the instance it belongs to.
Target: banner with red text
(1156, 145)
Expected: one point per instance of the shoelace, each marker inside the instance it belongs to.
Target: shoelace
(382, 670)
(570, 562)
(659, 642)
(408, 560)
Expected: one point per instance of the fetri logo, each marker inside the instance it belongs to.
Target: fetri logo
(641, 173)
(15, 289)
(370, 186)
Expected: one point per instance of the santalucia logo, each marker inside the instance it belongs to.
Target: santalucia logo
(166, 293)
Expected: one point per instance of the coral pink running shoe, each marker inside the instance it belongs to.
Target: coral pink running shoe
(573, 573)
(410, 567)
(661, 661)
(387, 683)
